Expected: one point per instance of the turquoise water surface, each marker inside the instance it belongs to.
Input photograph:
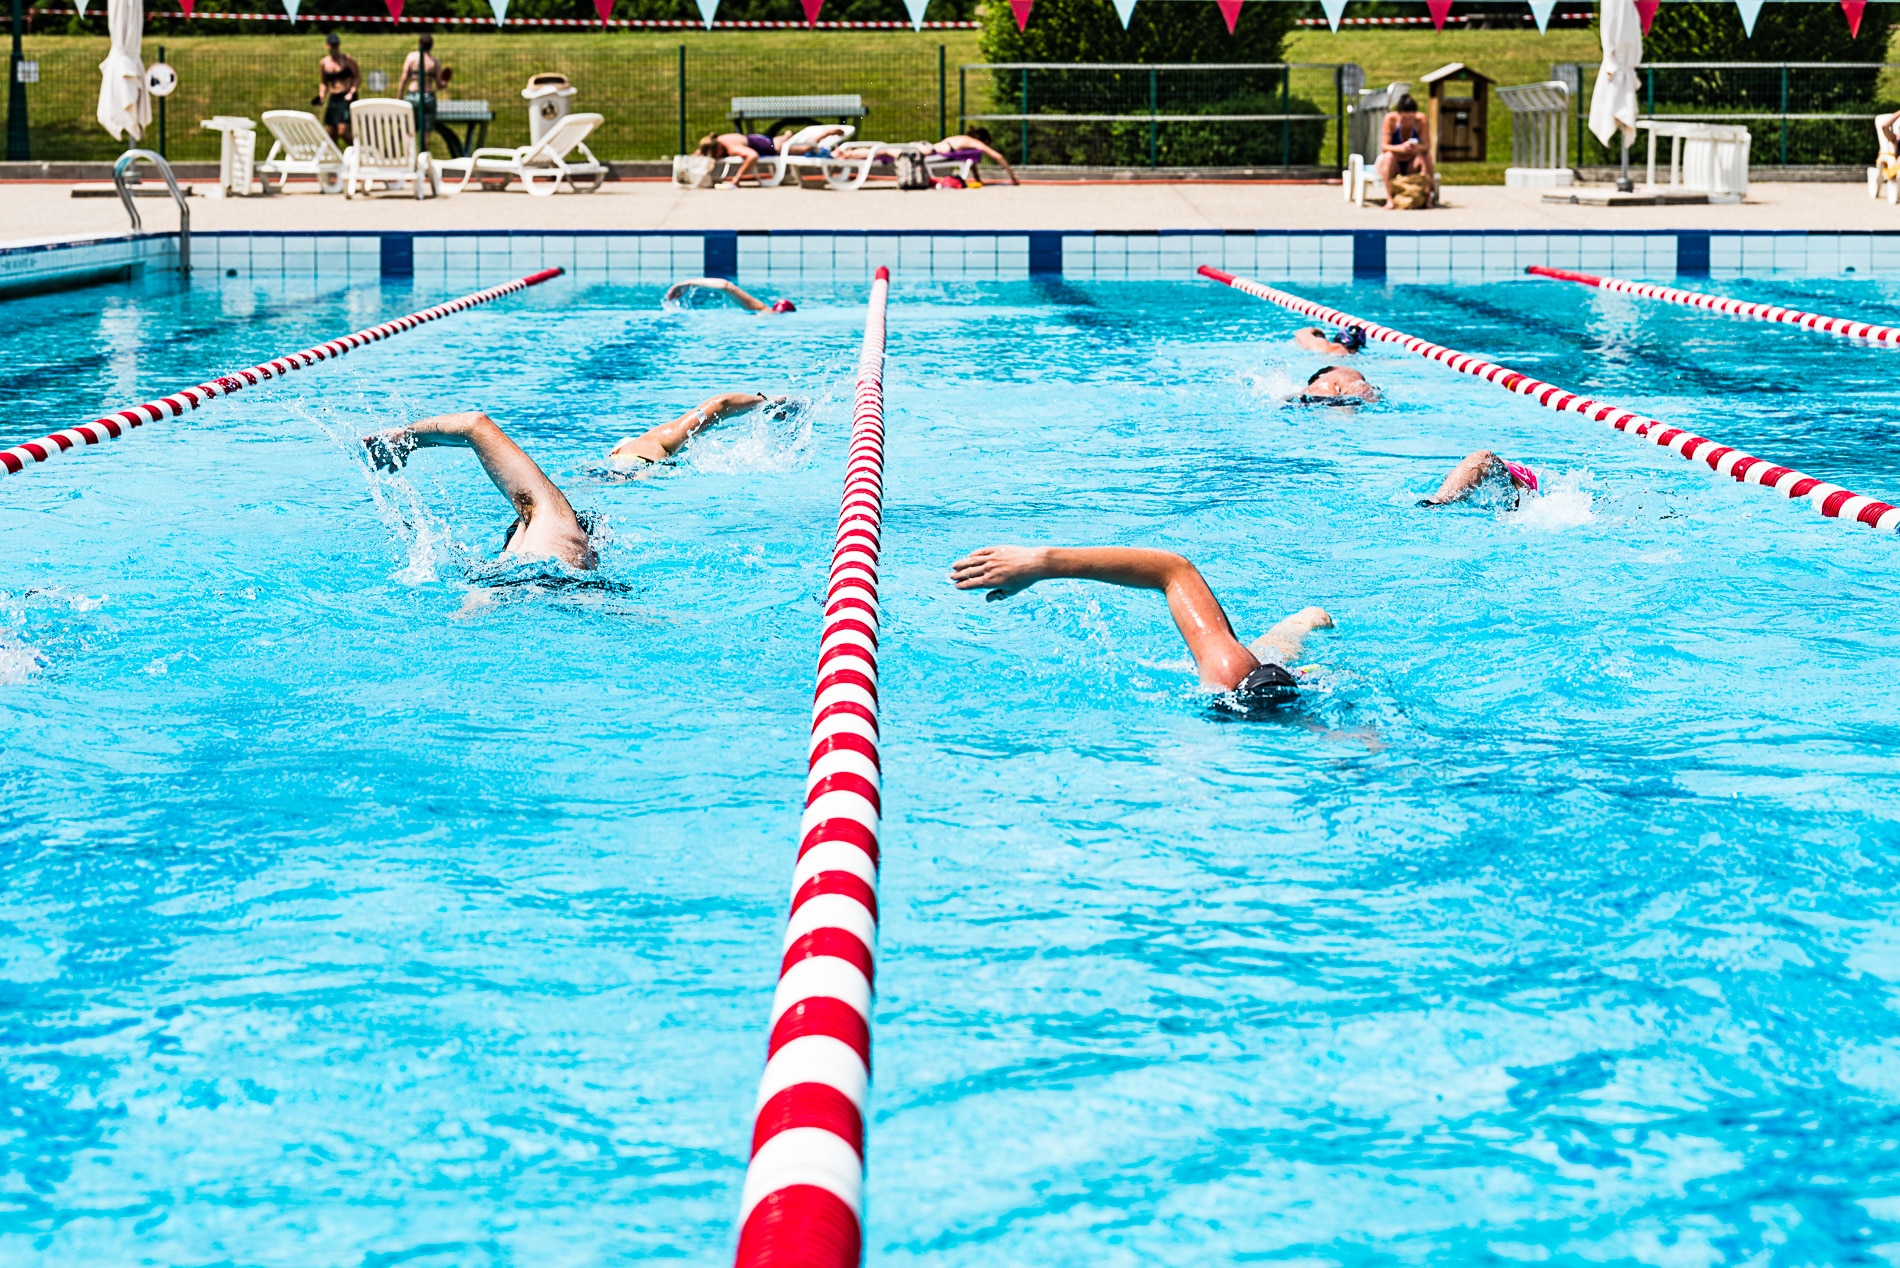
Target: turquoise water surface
(368, 902)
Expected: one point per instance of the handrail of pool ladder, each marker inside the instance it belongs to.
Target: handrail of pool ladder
(120, 168)
(1830, 500)
(1845, 327)
(803, 1201)
(118, 422)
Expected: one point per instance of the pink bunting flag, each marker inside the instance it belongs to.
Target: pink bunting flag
(1441, 9)
(189, 5)
(1021, 9)
(1230, 9)
(605, 8)
(1853, 9)
(811, 10)
(395, 8)
(1646, 13)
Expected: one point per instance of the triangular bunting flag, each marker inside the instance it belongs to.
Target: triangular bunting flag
(395, 8)
(811, 10)
(1440, 9)
(706, 10)
(1335, 9)
(916, 10)
(1646, 12)
(82, 8)
(605, 8)
(1853, 9)
(187, 6)
(1125, 9)
(1540, 9)
(1021, 9)
(501, 10)
(1751, 9)
(1230, 11)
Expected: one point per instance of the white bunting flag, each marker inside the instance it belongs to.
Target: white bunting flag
(707, 8)
(1334, 8)
(916, 10)
(1540, 9)
(1751, 9)
(1125, 9)
(82, 7)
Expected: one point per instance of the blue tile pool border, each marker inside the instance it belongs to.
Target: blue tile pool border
(780, 258)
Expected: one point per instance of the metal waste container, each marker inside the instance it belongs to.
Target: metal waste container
(550, 98)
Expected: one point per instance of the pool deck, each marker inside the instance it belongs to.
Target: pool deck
(42, 210)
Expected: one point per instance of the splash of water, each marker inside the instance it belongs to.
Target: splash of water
(1566, 502)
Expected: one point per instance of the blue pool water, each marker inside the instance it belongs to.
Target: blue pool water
(359, 910)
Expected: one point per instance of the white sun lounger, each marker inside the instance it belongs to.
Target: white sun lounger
(301, 148)
(845, 171)
(385, 148)
(540, 168)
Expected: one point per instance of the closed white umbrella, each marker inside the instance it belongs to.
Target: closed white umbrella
(124, 106)
(1613, 103)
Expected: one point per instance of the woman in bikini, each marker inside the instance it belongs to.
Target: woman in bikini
(1403, 149)
(338, 78)
(746, 147)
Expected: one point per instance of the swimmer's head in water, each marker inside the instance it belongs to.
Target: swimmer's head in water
(784, 306)
(1338, 381)
(1266, 690)
(1351, 338)
(584, 518)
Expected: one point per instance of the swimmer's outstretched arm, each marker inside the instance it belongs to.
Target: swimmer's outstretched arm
(751, 303)
(1468, 475)
(1314, 339)
(1218, 655)
(662, 442)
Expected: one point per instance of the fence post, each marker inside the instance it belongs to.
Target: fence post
(943, 92)
(1286, 124)
(963, 97)
(1339, 103)
(1784, 114)
(682, 148)
(161, 114)
(1153, 148)
(18, 146)
(1024, 160)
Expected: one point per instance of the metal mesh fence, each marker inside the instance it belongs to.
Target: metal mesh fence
(1796, 113)
(1256, 115)
(653, 90)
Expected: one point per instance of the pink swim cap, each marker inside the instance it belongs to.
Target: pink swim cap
(1525, 476)
(784, 306)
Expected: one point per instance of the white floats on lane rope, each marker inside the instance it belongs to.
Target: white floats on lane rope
(803, 1202)
(118, 422)
(1830, 500)
(1842, 326)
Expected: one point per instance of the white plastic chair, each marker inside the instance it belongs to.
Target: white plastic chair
(385, 148)
(540, 168)
(301, 148)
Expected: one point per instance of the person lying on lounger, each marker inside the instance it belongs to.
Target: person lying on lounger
(743, 146)
(820, 138)
(545, 526)
(1258, 673)
(1336, 385)
(657, 444)
(1349, 340)
(1484, 475)
(976, 139)
(748, 302)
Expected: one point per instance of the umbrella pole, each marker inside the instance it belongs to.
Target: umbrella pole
(1624, 185)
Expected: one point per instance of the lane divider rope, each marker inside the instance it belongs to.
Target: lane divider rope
(118, 422)
(1845, 327)
(803, 1201)
(1830, 500)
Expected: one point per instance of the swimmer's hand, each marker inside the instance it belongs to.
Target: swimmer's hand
(1002, 570)
(389, 450)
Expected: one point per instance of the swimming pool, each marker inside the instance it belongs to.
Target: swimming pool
(360, 908)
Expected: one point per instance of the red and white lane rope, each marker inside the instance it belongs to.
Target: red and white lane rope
(120, 421)
(803, 1202)
(1845, 327)
(1830, 500)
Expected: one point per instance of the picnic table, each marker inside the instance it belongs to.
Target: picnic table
(474, 115)
(795, 111)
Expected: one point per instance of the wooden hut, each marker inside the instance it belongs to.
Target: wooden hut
(1459, 101)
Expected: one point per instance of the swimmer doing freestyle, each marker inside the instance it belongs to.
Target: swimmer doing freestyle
(1258, 673)
(1336, 385)
(546, 523)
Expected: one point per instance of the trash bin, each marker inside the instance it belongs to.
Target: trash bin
(550, 98)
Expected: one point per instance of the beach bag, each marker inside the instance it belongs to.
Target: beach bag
(1409, 193)
(695, 171)
(911, 171)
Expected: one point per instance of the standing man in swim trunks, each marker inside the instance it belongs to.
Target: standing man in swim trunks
(1258, 671)
(337, 81)
(545, 523)
(1483, 470)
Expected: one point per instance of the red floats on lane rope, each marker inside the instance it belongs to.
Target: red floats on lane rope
(1830, 500)
(803, 1202)
(1842, 326)
(117, 423)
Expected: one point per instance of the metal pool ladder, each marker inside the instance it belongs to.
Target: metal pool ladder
(119, 170)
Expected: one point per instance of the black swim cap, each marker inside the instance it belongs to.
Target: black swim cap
(1267, 686)
(1351, 338)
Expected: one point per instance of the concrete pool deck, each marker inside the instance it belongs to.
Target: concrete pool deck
(41, 209)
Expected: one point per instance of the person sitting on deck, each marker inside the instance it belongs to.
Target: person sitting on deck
(751, 303)
(746, 147)
(1484, 473)
(1351, 339)
(1336, 385)
(546, 525)
(977, 140)
(657, 444)
(1402, 145)
(1258, 673)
